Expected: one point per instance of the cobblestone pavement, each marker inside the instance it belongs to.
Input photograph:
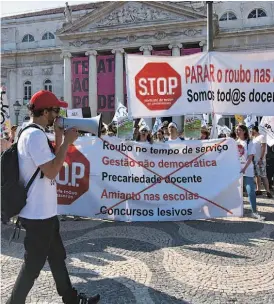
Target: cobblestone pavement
(214, 261)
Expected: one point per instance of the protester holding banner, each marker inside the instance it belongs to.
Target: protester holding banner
(259, 141)
(165, 129)
(233, 135)
(247, 151)
(160, 138)
(204, 134)
(144, 135)
(173, 133)
(270, 166)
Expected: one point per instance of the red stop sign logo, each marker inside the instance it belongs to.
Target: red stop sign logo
(158, 86)
(73, 179)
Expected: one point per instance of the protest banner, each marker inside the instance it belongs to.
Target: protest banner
(106, 83)
(239, 118)
(63, 112)
(5, 113)
(243, 83)
(125, 128)
(267, 128)
(250, 121)
(192, 126)
(162, 86)
(129, 181)
(80, 81)
(74, 113)
(222, 83)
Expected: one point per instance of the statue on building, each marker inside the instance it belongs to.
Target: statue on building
(68, 13)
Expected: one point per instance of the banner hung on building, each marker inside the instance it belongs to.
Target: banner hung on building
(223, 83)
(129, 181)
(106, 83)
(80, 82)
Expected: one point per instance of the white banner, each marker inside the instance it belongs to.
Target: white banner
(243, 82)
(165, 86)
(219, 82)
(250, 121)
(129, 181)
(75, 112)
(267, 128)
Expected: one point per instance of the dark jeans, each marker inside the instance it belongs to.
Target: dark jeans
(270, 171)
(42, 242)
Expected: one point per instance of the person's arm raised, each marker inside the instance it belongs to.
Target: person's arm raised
(52, 168)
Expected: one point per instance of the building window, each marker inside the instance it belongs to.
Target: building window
(27, 91)
(257, 13)
(48, 85)
(48, 36)
(228, 16)
(28, 38)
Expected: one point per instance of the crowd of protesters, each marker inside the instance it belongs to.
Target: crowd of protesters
(257, 158)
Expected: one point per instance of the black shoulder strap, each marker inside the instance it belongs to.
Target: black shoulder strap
(27, 127)
(32, 179)
(38, 169)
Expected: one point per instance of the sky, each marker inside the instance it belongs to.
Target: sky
(9, 7)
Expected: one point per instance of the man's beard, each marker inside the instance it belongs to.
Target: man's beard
(50, 123)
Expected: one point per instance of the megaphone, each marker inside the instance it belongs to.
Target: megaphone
(91, 125)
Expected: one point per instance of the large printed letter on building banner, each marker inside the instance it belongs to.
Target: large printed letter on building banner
(143, 182)
(223, 83)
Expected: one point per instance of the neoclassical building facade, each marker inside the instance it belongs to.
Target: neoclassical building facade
(45, 49)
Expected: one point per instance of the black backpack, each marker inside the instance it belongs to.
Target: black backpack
(13, 192)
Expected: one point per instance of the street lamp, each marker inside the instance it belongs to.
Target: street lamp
(17, 106)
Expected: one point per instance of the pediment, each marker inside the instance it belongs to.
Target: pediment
(131, 14)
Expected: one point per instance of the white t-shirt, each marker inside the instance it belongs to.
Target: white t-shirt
(244, 152)
(33, 151)
(258, 141)
(178, 139)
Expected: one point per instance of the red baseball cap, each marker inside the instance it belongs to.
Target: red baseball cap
(46, 99)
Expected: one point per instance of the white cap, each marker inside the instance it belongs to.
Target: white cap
(173, 124)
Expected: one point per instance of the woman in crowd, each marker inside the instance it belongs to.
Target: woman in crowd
(144, 135)
(247, 152)
(204, 134)
(160, 138)
(165, 129)
(233, 135)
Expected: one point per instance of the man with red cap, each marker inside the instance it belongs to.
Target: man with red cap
(39, 216)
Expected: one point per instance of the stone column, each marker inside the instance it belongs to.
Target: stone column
(119, 76)
(146, 49)
(67, 79)
(203, 45)
(176, 51)
(92, 82)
